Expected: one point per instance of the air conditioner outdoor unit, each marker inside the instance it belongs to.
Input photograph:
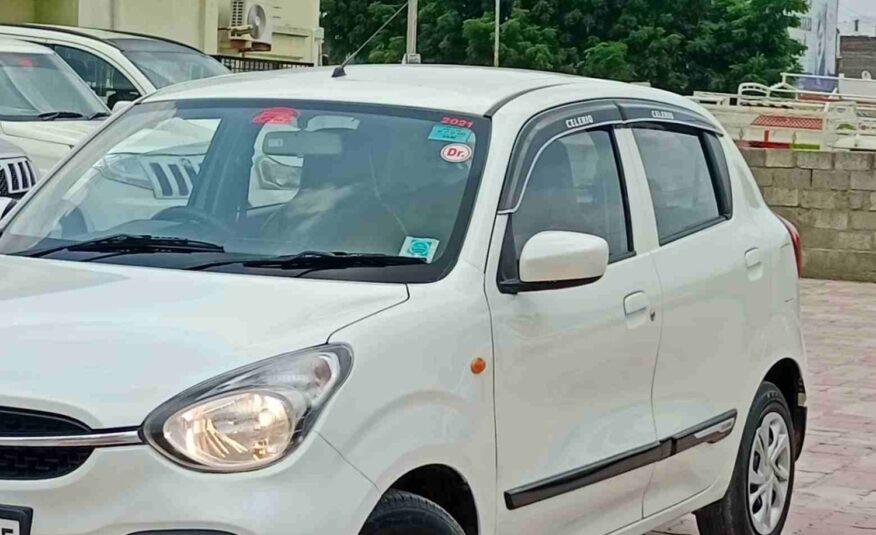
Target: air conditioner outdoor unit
(250, 27)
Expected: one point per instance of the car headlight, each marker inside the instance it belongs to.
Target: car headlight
(251, 417)
(124, 168)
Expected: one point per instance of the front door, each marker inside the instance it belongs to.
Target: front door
(573, 367)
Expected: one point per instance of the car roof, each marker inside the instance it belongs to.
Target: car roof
(116, 39)
(23, 47)
(474, 90)
(96, 33)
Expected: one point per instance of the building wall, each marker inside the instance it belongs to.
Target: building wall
(193, 22)
(831, 198)
(858, 26)
(857, 54)
(818, 32)
(16, 11)
(297, 35)
(199, 23)
(64, 12)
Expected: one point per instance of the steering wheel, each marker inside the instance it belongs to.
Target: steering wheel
(190, 214)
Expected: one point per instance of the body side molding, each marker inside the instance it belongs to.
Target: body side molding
(711, 431)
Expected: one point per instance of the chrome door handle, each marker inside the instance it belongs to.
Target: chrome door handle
(753, 258)
(636, 303)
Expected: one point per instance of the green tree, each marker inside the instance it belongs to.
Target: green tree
(680, 45)
(349, 23)
(524, 44)
(608, 59)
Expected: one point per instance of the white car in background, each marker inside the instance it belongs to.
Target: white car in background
(120, 66)
(45, 108)
(481, 302)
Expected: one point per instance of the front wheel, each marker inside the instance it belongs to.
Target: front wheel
(759, 496)
(403, 513)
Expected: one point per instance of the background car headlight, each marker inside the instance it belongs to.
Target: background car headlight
(124, 168)
(251, 417)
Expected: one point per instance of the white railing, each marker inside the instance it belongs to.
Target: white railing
(797, 112)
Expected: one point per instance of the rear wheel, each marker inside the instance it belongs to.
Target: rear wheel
(403, 513)
(759, 496)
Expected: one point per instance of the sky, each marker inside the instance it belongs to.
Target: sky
(853, 9)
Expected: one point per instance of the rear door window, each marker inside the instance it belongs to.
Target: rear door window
(687, 177)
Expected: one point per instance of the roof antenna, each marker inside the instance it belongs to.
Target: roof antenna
(339, 70)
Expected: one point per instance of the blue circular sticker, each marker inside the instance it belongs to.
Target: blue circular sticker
(420, 248)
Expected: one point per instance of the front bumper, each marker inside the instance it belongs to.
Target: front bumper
(132, 489)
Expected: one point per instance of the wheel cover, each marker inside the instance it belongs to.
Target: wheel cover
(769, 473)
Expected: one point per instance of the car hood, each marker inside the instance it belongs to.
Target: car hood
(8, 150)
(107, 344)
(61, 132)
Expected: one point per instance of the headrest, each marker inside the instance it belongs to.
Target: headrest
(352, 166)
(553, 170)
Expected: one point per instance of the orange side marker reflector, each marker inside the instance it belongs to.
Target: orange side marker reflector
(478, 366)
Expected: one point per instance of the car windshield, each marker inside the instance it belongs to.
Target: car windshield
(168, 68)
(42, 86)
(264, 180)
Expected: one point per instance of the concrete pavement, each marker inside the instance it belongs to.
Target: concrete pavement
(836, 476)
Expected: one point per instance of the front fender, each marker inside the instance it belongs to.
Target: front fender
(412, 399)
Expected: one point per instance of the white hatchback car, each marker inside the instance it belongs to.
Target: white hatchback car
(477, 302)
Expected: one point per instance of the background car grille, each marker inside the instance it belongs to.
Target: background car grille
(172, 177)
(39, 463)
(17, 177)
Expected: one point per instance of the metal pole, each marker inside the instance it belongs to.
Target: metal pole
(496, 43)
(412, 28)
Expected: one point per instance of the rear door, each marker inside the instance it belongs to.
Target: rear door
(710, 265)
(574, 366)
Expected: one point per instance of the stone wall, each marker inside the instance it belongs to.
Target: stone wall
(831, 198)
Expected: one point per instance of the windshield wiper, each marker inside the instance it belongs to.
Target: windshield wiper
(318, 260)
(130, 243)
(98, 115)
(52, 115)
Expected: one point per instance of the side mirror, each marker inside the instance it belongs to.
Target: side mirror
(553, 259)
(6, 205)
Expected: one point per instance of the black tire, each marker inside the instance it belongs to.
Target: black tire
(731, 515)
(403, 513)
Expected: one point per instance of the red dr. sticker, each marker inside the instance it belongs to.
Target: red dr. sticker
(456, 153)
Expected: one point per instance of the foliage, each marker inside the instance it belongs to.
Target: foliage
(680, 45)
